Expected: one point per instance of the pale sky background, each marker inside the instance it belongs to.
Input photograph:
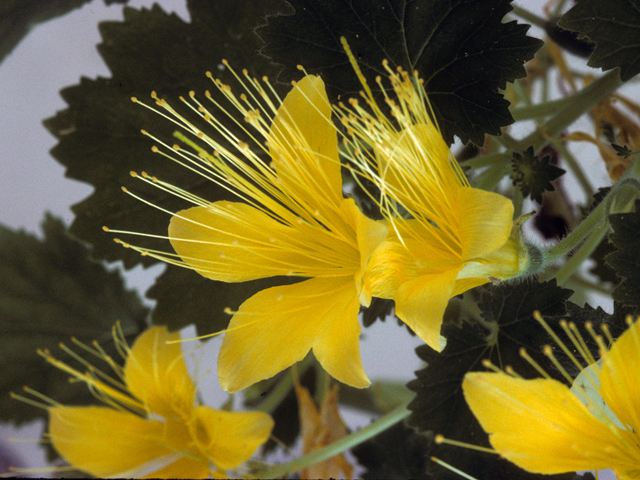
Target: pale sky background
(55, 55)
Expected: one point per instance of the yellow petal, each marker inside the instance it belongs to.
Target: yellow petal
(278, 326)
(485, 221)
(421, 303)
(415, 166)
(407, 254)
(539, 424)
(229, 438)
(156, 374)
(303, 142)
(620, 385)
(370, 235)
(235, 242)
(108, 443)
(464, 284)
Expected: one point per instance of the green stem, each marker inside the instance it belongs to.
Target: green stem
(487, 160)
(522, 95)
(394, 416)
(559, 6)
(575, 167)
(582, 102)
(488, 179)
(540, 110)
(529, 16)
(323, 380)
(583, 283)
(597, 218)
(284, 386)
(584, 252)
(508, 142)
(518, 200)
(594, 227)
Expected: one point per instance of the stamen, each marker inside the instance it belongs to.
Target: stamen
(555, 337)
(548, 352)
(45, 406)
(533, 363)
(440, 439)
(605, 328)
(453, 469)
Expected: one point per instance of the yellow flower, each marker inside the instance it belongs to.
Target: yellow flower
(294, 221)
(544, 427)
(445, 237)
(152, 425)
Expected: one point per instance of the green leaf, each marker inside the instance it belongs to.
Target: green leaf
(615, 29)
(440, 407)
(18, 17)
(622, 150)
(100, 140)
(50, 292)
(398, 452)
(460, 48)
(532, 175)
(624, 260)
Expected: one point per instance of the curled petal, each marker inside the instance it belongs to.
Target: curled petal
(421, 303)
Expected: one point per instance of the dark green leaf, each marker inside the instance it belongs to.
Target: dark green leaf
(601, 268)
(100, 140)
(378, 310)
(622, 150)
(460, 48)
(615, 29)
(625, 261)
(17, 17)
(568, 40)
(439, 406)
(532, 175)
(49, 292)
(397, 453)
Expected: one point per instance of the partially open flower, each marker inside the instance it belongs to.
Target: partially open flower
(445, 237)
(152, 425)
(544, 427)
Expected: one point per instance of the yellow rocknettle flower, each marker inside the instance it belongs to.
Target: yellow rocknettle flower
(294, 221)
(544, 427)
(445, 237)
(152, 425)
